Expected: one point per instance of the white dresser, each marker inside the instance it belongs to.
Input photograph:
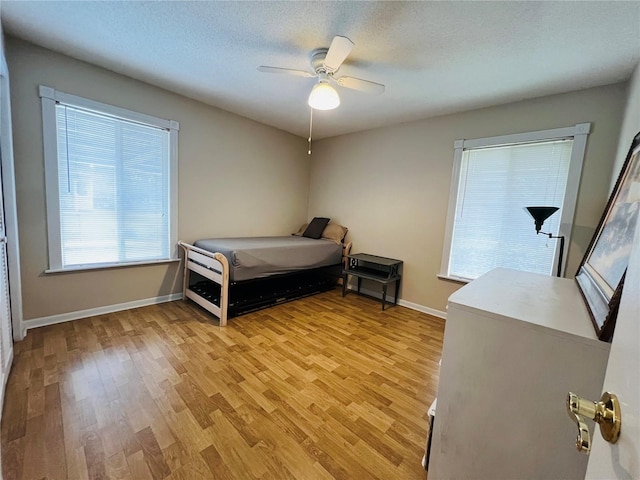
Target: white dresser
(515, 343)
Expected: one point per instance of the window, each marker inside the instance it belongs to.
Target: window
(111, 184)
(494, 179)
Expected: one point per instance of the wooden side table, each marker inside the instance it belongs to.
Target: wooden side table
(382, 270)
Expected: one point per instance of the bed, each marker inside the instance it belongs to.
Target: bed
(232, 276)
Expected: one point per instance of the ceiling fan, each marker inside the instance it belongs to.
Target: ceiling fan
(325, 62)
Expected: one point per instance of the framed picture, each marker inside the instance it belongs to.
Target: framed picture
(601, 274)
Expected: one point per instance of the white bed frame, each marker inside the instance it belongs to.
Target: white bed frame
(212, 266)
(215, 267)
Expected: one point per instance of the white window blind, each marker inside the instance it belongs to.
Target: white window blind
(493, 180)
(114, 182)
(491, 227)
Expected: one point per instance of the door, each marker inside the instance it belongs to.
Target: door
(6, 336)
(9, 211)
(622, 459)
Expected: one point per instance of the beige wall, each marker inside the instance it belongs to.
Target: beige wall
(630, 124)
(390, 186)
(236, 177)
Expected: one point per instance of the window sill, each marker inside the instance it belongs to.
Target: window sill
(452, 278)
(84, 268)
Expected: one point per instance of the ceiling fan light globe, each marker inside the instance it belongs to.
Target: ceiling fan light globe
(323, 97)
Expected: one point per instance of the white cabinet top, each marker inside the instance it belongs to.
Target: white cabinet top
(543, 302)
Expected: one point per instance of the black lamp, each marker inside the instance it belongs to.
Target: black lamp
(540, 214)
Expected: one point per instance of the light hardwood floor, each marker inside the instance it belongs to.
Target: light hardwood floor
(320, 388)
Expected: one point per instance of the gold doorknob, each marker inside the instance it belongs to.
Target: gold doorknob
(605, 413)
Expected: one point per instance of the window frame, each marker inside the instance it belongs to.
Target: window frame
(578, 133)
(49, 98)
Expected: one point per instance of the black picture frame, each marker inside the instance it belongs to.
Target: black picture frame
(600, 276)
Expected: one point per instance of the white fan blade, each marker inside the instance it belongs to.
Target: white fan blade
(361, 85)
(338, 50)
(288, 71)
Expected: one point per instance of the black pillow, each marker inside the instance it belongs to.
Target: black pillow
(316, 227)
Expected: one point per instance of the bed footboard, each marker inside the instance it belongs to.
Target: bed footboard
(213, 267)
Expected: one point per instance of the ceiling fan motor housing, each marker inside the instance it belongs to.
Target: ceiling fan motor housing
(317, 61)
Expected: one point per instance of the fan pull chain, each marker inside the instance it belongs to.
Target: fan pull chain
(310, 128)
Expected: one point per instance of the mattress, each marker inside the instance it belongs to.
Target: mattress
(259, 257)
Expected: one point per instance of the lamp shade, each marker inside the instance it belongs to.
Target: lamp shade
(540, 214)
(323, 97)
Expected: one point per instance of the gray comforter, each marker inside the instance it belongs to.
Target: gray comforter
(258, 257)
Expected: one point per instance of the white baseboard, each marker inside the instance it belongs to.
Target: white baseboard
(421, 308)
(404, 303)
(92, 312)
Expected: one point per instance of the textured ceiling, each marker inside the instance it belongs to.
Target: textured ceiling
(433, 57)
